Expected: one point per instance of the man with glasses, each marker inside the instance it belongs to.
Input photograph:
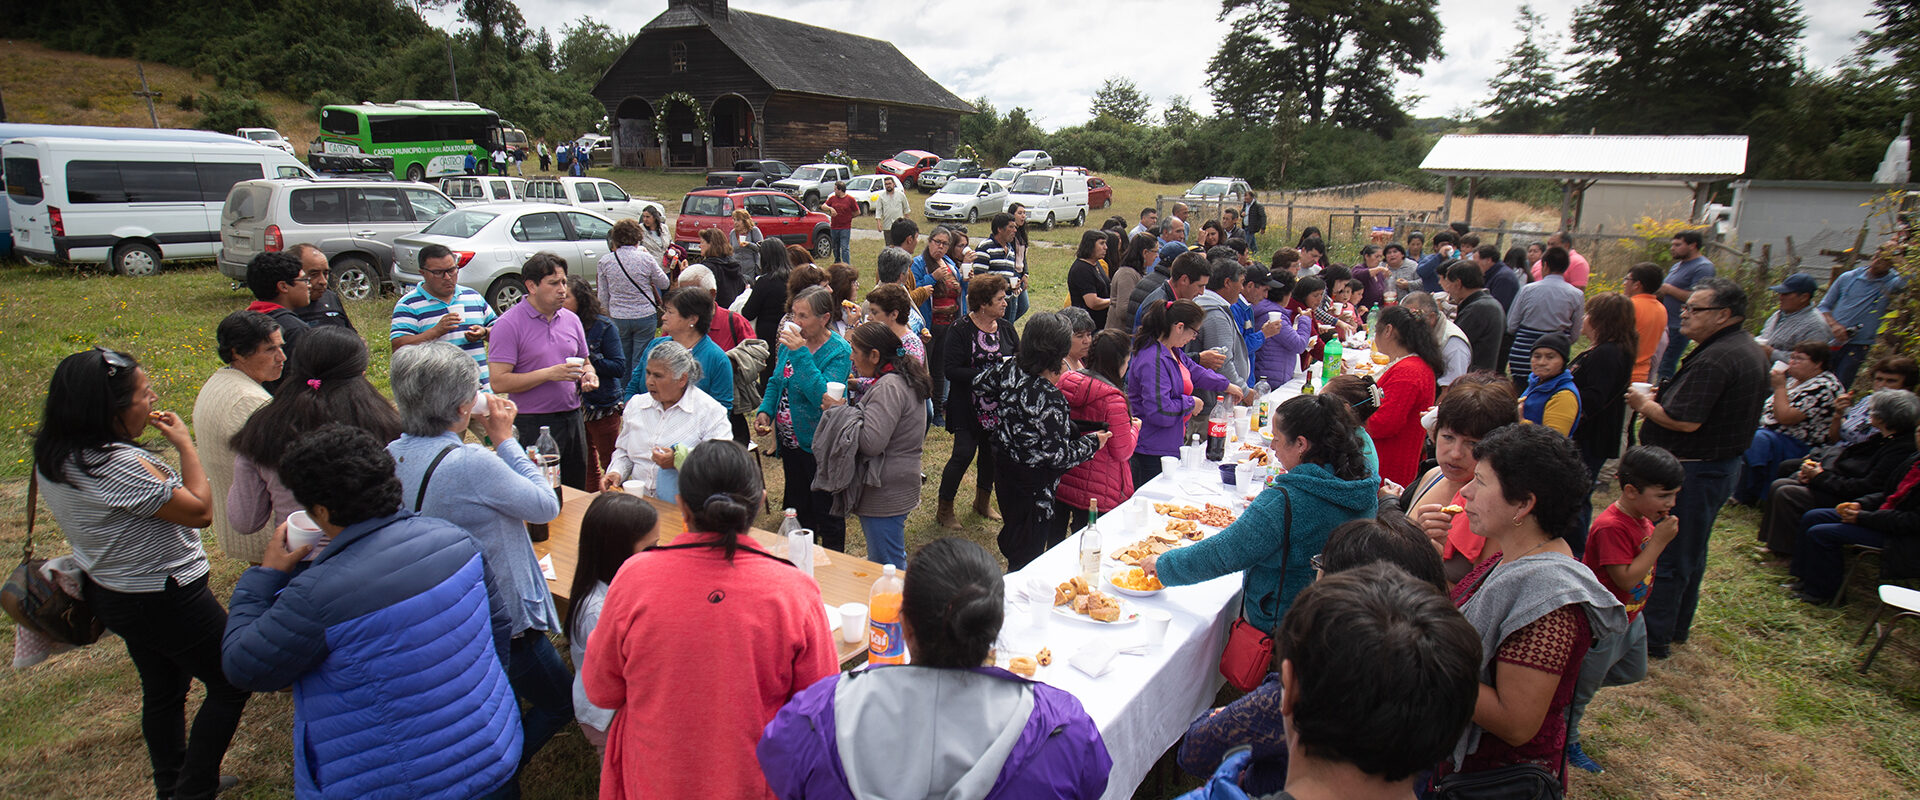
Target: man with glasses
(440, 309)
(324, 308)
(280, 287)
(1706, 415)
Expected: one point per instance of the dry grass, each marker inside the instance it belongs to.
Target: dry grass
(59, 87)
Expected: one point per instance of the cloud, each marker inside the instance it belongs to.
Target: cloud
(1051, 57)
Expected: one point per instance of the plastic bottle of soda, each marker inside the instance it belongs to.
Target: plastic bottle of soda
(1217, 424)
(789, 524)
(1330, 360)
(1260, 390)
(886, 642)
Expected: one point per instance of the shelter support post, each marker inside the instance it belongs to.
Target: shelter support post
(1473, 187)
(1446, 203)
(1566, 205)
(1702, 192)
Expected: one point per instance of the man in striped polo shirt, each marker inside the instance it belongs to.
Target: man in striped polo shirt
(439, 309)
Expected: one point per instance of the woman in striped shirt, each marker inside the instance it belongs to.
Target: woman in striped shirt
(131, 520)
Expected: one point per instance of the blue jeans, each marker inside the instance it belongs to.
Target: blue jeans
(1676, 586)
(843, 245)
(634, 335)
(1762, 462)
(1819, 561)
(542, 681)
(1016, 305)
(886, 539)
(1670, 358)
(1846, 365)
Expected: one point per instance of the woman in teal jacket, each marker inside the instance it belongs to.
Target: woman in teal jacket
(1327, 483)
(811, 356)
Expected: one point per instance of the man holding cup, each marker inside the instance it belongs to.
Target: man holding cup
(439, 309)
(539, 358)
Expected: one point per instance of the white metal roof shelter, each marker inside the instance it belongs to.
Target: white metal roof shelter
(1577, 161)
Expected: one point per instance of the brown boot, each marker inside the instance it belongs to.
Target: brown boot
(983, 504)
(944, 517)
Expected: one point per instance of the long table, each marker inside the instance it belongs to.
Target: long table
(844, 579)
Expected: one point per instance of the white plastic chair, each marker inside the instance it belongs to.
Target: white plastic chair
(1906, 604)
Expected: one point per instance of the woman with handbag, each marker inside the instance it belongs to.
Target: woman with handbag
(131, 520)
(629, 281)
(1327, 483)
(1537, 610)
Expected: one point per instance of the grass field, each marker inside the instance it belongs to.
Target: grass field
(1763, 702)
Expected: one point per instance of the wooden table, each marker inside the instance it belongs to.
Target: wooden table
(845, 579)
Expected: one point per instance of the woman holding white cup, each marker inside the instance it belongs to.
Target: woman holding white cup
(674, 411)
(811, 356)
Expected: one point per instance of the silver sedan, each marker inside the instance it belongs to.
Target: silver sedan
(966, 199)
(491, 241)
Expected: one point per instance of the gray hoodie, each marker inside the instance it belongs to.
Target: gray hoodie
(1220, 330)
(887, 751)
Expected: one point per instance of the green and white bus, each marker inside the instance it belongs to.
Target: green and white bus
(425, 138)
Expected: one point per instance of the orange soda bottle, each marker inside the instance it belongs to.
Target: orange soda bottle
(886, 641)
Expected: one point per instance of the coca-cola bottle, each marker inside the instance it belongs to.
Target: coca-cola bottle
(1218, 422)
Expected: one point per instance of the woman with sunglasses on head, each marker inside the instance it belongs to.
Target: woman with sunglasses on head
(131, 520)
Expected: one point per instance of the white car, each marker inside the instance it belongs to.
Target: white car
(1052, 196)
(1031, 160)
(491, 241)
(1006, 175)
(966, 199)
(597, 194)
(867, 189)
(472, 190)
(1218, 188)
(812, 183)
(268, 137)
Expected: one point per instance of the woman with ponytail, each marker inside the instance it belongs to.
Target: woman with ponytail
(873, 444)
(1164, 385)
(325, 382)
(700, 643)
(1000, 735)
(1407, 386)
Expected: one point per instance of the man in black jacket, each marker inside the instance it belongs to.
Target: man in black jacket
(1253, 217)
(1479, 317)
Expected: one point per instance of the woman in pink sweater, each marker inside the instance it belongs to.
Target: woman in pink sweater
(1098, 393)
(701, 643)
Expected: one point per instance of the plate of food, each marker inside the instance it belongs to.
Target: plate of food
(1079, 600)
(1134, 582)
(1211, 515)
(1255, 454)
(1154, 544)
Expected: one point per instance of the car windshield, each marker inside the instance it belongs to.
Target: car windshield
(808, 174)
(952, 165)
(460, 224)
(906, 157)
(1033, 184)
(263, 136)
(1006, 174)
(1207, 189)
(968, 187)
(1027, 154)
(746, 166)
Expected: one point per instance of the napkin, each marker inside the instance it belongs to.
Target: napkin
(546, 567)
(833, 616)
(1095, 658)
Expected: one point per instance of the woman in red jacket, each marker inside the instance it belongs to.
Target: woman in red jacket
(1407, 387)
(1098, 393)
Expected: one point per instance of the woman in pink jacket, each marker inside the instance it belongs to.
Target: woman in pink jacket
(1098, 393)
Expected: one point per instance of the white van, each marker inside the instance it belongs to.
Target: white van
(1052, 196)
(130, 205)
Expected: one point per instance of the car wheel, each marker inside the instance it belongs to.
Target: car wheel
(355, 279)
(416, 172)
(1080, 220)
(33, 260)
(759, 184)
(505, 292)
(973, 215)
(811, 201)
(137, 259)
(1048, 225)
(823, 245)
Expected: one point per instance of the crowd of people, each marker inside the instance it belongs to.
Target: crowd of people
(1434, 519)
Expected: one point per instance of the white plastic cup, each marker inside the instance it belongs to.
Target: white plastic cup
(635, 487)
(1153, 626)
(302, 531)
(1779, 366)
(836, 390)
(576, 361)
(1243, 473)
(480, 406)
(853, 623)
(1273, 316)
(1169, 464)
(790, 325)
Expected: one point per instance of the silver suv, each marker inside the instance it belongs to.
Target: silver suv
(352, 222)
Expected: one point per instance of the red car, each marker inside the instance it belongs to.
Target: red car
(908, 165)
(775, 213)
(1099, 194)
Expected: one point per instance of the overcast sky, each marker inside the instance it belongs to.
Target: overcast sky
(1051, 57)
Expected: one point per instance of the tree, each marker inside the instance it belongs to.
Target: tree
(1120, 100)
(1341, 58)
(1897, 37)
(1526, 93)
(1682, 66)
(586, 51)
(489, 15)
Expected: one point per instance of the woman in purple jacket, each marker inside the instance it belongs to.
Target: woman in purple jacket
(1278, 356)
(1001, 736)
(1164, 386)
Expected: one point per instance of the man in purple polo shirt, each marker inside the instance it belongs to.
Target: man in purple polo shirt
(528, 362)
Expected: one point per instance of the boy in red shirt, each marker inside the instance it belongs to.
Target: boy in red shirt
(1621, 550)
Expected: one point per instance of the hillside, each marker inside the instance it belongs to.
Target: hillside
(58, 87)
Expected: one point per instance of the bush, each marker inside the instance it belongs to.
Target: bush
(185, 103)
(227, 112)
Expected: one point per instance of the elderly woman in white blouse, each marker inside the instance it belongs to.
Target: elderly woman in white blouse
(673, 411)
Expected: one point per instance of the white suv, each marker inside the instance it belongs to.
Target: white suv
(812, 183)
(597, 194)
(1218, 188)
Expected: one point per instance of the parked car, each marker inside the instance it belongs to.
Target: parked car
(867, 190)
(948, 169)
(1052, 196)
(754, 172)
(598, 194)
(127, 204)
(1099, 194)
(470, 190)
(1217, 188)
(491, 241)
(268, 137)
(353, 223)
(515, 140)
(1031, 160)
(599, 147)
(966, 199)
(812, 183)
(1005, 176)
(908, 164)
(773, 211)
